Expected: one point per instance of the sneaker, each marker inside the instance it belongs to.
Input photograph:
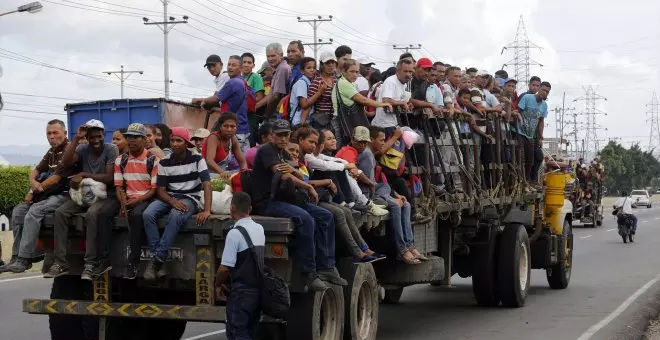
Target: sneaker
(20, 265)
(379, 203)
(361, 208)
(150, 271)
(5, 267)
(419, 217)
(57, 270)
(87, 272)
(332, 276)
(162, 270)
(314, 283)
(130, 272)
(376, 210)
(101, 268)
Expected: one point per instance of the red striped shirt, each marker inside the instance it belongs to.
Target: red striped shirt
(138, 180)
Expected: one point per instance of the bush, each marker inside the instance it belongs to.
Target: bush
(14, 185)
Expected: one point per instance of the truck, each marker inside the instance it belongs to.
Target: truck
(495, 233)
(586, 199)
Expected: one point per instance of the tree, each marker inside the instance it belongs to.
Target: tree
(628, 169)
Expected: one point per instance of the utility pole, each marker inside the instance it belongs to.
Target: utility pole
(407, 48)
(315, 23)
(122, 75)
(521, 61)
(654, 135)
(591, 131)
(166, 26)
(560, 125)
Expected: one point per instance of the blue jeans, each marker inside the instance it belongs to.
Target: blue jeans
(175, 220)
(634, 220)
(315, 234)
(243, 312)
(400, 222)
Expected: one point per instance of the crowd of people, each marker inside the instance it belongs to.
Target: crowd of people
(322, 138)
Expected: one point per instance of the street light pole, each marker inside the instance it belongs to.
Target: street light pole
(32, 7)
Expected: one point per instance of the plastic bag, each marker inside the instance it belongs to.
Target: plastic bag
(221, 201)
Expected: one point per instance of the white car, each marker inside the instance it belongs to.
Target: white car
(640, 197)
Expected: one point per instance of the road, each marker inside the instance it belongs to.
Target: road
(611, 295)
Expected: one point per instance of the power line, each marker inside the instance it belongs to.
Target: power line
(123, 75)
(521, 61)
(654, 135)
(591, 143)
(407, 48)
(34, 104)
(41, 96)
(42, 112)
(93, 10)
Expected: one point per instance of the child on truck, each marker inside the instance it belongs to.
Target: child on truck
(181, 177)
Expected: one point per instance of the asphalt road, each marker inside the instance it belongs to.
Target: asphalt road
(612, 294)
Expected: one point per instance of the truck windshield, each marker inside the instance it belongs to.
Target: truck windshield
(638, 193)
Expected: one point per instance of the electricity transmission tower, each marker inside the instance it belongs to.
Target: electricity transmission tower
(591, 140)
(122, 75)
(521, 61)
(560, 123)
(166, 26)
(315, 23)
(652, 112)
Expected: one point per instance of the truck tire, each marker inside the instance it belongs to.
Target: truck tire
(360, 300)
(270, 331)
(71, 327)
(484, 273)
(316, 315)
(559, 275)
(393, 296)
(514, 265)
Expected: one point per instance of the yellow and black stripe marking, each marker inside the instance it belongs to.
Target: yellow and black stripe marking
(204, 277)
(131, 310)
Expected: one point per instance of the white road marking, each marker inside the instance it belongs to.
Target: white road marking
(611, 229)
(595, 328)
(588, 236)
(21, 278)
(205, 335)
(645, 221)
(657, 218)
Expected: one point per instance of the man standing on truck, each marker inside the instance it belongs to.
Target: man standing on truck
(278, 86)
(234, 93)
(97, 162)
(242, 266)
(181, 177)
(48, 188)
(533, 109)
(135, 183)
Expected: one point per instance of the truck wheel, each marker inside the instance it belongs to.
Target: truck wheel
(393, 296)
(70, 327)
(360, 300)
(484, 273)
(270, 331)
(316, 315)
(514, 264)
(559, 275)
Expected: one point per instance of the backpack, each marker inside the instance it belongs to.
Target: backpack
(251, 100)
(240, 182)
(275, 297)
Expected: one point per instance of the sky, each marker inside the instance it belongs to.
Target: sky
(614, 48)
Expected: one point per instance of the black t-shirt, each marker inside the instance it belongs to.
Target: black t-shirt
(262, 175)
(418, 88)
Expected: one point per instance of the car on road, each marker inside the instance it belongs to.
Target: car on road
(640, 197)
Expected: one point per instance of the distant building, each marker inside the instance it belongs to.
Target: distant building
(555, 146)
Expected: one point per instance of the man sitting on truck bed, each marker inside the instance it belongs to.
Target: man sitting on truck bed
(48, 188)
(97, 161)
(242, 264)
(181, 177)
(135, 183)
(314, 226)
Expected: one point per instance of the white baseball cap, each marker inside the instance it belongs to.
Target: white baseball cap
(365, 61)
(95, 123)
(327, 56)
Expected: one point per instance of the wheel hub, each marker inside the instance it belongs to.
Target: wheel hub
(364, 310)
(523, 265)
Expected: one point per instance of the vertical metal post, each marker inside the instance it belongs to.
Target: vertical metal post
(166, 62)
(101, 286)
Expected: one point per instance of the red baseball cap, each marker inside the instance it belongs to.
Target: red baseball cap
(424, 63)
(183, 133)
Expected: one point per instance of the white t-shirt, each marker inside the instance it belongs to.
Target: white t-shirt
(394, 89)
(361, 84)
(236, 243)
(626, 202)
(220, 81)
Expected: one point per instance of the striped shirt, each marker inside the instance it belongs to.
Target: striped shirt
(138, 180)
(324, 103)
(183, 177)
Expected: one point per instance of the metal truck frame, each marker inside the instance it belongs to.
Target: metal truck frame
(495, 235)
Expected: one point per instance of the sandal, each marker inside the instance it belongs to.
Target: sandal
(410, 258)
(418, 255)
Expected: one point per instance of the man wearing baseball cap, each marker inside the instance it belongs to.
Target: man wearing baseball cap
(97, 160)
(214, 65)
(362, 82)
(199, 137)
(182, 177)
(135, 184)
(314, 226)
(420, 84)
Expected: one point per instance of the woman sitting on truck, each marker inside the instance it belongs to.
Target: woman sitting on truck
(151, 142)
(306, 139)
(119, 140)
(162, 135)
(222, 150)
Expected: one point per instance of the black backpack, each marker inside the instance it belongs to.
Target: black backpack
(275, 298)
(150, 162)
